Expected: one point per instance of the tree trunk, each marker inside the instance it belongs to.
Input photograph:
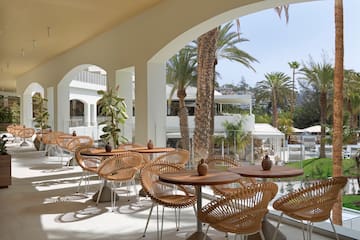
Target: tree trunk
(206, 61)
(212, 123)
(338, 104)
(323, 113)
(274, 110)
(183, 120)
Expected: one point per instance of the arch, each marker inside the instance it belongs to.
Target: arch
(27, 103)
(202, 27)
(155, 127)
(64, 93)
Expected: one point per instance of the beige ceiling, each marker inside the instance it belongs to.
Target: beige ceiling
(34, 31)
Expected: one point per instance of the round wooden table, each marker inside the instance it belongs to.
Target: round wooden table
(100, 152)
(148, 153)
(213, 177)
(274, 172)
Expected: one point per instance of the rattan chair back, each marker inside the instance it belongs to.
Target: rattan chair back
(87, 163)
(120, 167)
(313, 203)
(224, 163)
(26, 132)
(168, 195)
(178, 157)
(241, 212)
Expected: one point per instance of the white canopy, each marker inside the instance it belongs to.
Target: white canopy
(266, 130)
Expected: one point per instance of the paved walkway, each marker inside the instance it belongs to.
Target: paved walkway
(41, 204)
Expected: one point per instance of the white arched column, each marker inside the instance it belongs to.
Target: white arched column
(27, 109)
(124, 79)
(150, 103)
(93, 114)
(87, 114)
(27, 104)
(63, 110)
(50, 105)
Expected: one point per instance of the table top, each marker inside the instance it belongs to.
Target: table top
(153, 150)
(213, 177)
(102, 153)
(274, 172)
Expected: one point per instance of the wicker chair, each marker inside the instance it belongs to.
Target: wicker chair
(68, 143)
(223, 163)
(25, 133)
(167, 195)
(49, 140)
(178, 157)
(118, 169)
(241, 212)
(311, 204)
(89, 165)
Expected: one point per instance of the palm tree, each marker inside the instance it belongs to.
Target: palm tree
(338, 103)
(206, 74)
(293, 65)
(181, 73)
(276, 88)
(226, 47)
(201, 147)
(352, 97)
(320, 77)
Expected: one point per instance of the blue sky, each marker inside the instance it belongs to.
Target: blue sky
(310, 31)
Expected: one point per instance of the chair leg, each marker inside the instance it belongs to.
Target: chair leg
(177, 218)
(206, 232)
(277, 227)
(99, 193)
(162, 223)
(148, 220)
(81, 178)
(261, 235)
(310, 229)
(333, 227)
(302, 229)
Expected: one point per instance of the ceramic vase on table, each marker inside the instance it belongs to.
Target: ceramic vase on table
(150, 144)
(108, 147)
(202, 168)
(266, 163)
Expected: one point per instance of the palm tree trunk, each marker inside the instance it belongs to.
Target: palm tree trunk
(183, 119)
(323, 103)
(212, 124)
(206, 61)
(338, 103)
(274, 110)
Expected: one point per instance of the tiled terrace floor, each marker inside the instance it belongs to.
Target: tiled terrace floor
(41, 204)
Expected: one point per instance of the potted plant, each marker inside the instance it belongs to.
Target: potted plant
(5, 164)
(114, 109)
(41, 115)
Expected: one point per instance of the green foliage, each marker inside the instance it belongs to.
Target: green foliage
(263, 118)
(351, 201)
(114, 108)
(15, 112)
(235, 134)
(3, 145)
(5, 115)
(285, 123)
(321, 168)
(40, 111)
